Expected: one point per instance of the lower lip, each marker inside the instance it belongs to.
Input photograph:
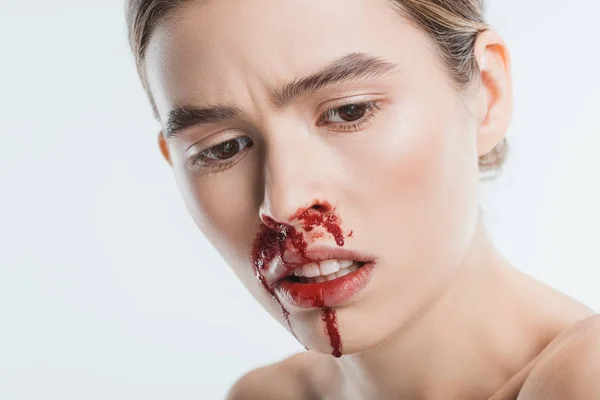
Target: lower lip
(325, 294)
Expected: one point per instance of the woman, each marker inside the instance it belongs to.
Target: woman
(332, 152)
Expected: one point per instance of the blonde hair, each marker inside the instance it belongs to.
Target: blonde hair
(452, 25)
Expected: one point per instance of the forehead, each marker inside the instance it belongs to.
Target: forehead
(229, 51)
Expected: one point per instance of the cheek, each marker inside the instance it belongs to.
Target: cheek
(418, 209)
(224, 206)
(421, 179)
(420, 150)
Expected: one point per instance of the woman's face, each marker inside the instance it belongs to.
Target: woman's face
(337, 128)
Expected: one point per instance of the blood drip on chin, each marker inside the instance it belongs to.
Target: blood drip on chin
(329, 318)
(271, 242)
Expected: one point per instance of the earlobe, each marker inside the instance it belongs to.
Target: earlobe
(495, 92)
(164, 147)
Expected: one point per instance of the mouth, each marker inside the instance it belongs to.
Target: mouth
(326, 283)
(323, 271)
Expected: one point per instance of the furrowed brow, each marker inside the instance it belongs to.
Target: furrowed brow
(351, 67)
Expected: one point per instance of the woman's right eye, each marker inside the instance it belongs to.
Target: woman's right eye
(223, 154)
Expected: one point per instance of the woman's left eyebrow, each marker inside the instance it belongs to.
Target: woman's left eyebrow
(351, 67)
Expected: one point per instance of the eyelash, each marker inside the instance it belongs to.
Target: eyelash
(203, 160)
(371, 109)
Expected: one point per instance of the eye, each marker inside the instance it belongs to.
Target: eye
(350, 113)
(223, 152)
(350, 116)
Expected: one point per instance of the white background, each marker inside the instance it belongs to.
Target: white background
(108, 290)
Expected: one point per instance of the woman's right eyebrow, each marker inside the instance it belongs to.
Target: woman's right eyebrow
(184, 117)
(351, 67)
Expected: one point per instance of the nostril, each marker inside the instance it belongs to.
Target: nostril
(271, 223)
(322, 206)
(317, 208)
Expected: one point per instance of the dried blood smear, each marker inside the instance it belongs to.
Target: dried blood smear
(268, 245)
(271, 242)
(322, 216)
(311, 219)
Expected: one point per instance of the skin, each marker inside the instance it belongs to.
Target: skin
(444, 315)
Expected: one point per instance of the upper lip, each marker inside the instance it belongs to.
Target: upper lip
(291, 260)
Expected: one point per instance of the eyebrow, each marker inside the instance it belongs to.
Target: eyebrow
(184, 117)
(354, 66)
(351, 67)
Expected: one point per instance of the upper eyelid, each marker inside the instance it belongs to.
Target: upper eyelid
(373, 106)
(196, 157)
(230, 134)
(221, 143)
(368, 103)
(352, 99)
(346, 101)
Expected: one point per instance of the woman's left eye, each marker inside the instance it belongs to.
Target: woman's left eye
(350, 116)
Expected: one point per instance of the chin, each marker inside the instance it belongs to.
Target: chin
(359, 328)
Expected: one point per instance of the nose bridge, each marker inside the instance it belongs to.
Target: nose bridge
(295, 178)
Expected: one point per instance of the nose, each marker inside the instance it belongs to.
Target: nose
(295, 181)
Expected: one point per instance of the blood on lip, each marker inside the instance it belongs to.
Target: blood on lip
(272, 240)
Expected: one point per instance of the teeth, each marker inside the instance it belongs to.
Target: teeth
(326, 270)
(310, 270)
(330, 277)
(323, 268)
(342, 272)
(328, 267)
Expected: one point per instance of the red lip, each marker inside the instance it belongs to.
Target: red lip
(326, 294)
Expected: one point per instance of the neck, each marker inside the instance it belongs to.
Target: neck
(465, 345)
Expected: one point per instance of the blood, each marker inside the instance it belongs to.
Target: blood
(331, 223)
(321, 214)
(271, 241)
(329, 318)
(268, 245)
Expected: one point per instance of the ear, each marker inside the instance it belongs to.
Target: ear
(164, 147)
(495, 95)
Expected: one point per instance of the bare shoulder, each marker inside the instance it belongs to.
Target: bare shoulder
(290, 379)
(570, 369)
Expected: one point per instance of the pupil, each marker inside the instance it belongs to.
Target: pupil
(352, 112)
(228, 149)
